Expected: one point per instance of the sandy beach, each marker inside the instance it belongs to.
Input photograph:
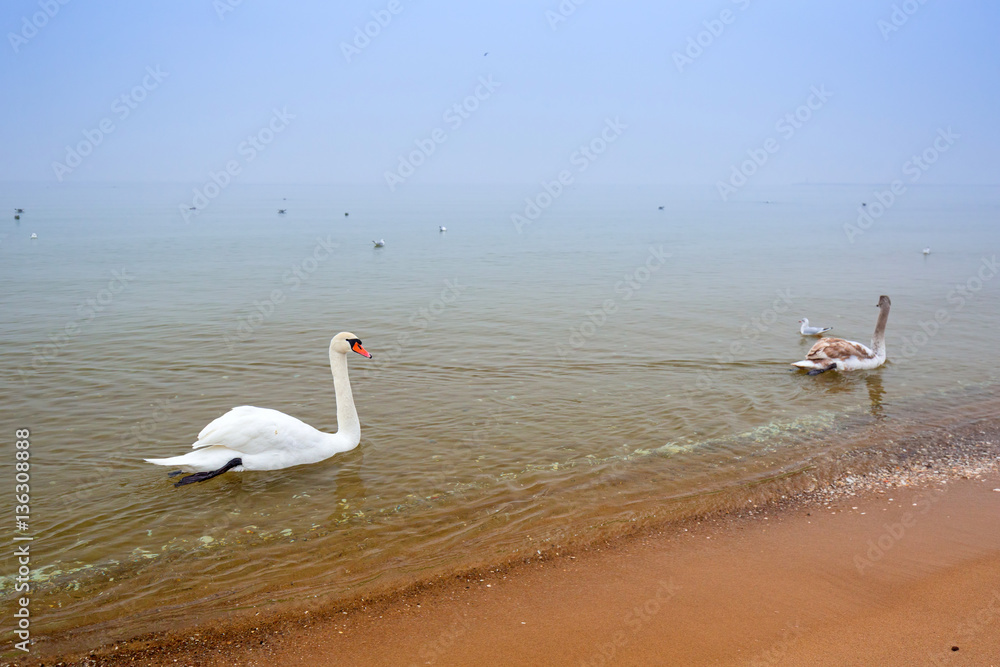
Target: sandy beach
(899, 565)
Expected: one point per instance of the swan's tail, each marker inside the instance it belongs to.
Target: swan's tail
(200, 460)
(181, 462)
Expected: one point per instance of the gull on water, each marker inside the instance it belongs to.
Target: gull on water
(380, 243)
(442, 228)
(807, 330)
(927, 250)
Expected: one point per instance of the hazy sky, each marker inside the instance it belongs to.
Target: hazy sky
(288, 92)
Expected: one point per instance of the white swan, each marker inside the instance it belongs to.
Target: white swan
(249, 438)
(846, 355)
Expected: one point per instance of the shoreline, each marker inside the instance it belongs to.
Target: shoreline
(930, 460)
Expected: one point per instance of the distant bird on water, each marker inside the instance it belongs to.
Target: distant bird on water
(927, 251)
(18, 210)
(807, 330)
(282, 211)
(380, 243)
(442, 228)
(661, 208)
(34, 236)
(346, 214)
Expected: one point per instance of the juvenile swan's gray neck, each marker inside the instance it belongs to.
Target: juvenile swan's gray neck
(347, 416)
(878, 338)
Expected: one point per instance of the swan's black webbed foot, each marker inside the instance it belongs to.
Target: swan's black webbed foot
(202, 476)
(817, 371)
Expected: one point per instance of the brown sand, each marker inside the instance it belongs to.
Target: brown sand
(852, 582)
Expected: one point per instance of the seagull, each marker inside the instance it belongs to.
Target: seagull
(927, 251)
(18, 210)
(282, 210)
(807, 330)
(380, 243)
(34, 235)
(442, 228)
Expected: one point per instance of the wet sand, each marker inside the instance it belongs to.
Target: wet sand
(897, 566)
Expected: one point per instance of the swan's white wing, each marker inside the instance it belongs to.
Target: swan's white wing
(251, 430)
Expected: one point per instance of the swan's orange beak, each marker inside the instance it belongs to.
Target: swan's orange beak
(360, 350)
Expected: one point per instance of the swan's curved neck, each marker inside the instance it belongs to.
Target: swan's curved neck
(878, 338)
(347, 416)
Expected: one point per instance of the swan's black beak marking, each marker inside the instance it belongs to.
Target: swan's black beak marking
(357, 347)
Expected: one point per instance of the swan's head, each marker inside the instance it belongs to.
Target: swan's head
(345, 342)
(883, 302)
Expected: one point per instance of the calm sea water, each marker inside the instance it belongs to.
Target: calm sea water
(608, 363)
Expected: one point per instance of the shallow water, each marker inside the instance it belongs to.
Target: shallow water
(608, 362)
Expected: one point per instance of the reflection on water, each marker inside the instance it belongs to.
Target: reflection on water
(544, 403)
(875, 394)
